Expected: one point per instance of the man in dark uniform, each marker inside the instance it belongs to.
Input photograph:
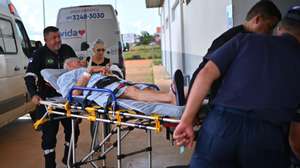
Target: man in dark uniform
(255, 103)
(52, 55)
(261, 18)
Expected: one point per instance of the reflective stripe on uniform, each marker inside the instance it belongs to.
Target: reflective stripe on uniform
(67, 144)
(48, 151)
(31, 74)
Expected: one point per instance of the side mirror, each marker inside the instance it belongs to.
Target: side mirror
(38, 44)
(35, 45)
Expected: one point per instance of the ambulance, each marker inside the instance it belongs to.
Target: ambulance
(15, 50)
(81, 25)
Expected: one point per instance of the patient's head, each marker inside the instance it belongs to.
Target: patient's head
(72, 63)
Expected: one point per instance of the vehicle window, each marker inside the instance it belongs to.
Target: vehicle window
(7, 38)
(25, 42)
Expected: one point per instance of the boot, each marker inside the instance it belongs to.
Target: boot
(50, 160)
(65, 158)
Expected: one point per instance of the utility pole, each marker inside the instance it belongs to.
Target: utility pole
(44, 17)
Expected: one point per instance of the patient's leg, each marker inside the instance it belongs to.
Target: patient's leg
(148, 95)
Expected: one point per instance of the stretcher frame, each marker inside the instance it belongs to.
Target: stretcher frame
(145, 122)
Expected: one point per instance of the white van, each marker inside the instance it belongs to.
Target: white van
(84, 24)
(15, 48)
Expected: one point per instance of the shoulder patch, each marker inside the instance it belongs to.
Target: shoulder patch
(49, 61)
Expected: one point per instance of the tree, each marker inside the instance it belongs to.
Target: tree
(145, 38)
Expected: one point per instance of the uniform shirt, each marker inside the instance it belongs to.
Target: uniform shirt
(104, 63)
(41, 59)
(217, 43)
(261, 76)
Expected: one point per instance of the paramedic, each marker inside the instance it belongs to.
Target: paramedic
(261, 18)
(256, 101)
(52, 55)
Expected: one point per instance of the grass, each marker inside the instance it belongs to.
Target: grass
(157, 61)
(144, 52)
(150, 78)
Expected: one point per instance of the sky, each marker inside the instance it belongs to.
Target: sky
(133, 15)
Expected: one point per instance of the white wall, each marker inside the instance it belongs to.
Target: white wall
(176, 38)
(167, 35)
(203, 22)
(240, 9)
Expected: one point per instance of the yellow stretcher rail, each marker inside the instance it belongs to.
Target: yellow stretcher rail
(118, 118)
(68, 109)
(92, 113)
(157, 123)
(39, 122)
(50, 109)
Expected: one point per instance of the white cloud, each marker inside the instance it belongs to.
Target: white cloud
(31, 13)
(144, 26)
(131, 21)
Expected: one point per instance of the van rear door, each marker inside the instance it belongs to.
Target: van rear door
(13, 93)
(104, 19)
(86, 24)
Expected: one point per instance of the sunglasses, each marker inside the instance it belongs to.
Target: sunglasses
(100, 49)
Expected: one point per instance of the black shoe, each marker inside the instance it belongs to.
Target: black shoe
(50, 160)
(65, 158)
(178, 82)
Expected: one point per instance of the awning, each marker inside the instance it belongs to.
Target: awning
(154, 3)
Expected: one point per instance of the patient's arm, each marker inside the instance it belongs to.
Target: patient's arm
(98, 69)
(82, 81)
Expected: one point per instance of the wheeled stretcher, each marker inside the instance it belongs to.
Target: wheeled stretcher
(122, 120)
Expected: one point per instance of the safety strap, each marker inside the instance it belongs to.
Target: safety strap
(106, 81)
(101, 84)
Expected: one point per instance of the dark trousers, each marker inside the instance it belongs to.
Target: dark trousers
(49, 131)
(231, 140)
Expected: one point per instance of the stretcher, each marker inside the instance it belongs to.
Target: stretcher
(122, 120)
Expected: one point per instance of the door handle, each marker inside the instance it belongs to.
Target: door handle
(17, 68)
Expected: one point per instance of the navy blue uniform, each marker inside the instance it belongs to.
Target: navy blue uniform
(36, 85)
(256, 101)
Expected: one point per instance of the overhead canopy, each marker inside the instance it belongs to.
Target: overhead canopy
(154, 3)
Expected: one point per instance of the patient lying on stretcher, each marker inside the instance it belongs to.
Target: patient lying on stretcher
(144, 98)
(78, 75)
